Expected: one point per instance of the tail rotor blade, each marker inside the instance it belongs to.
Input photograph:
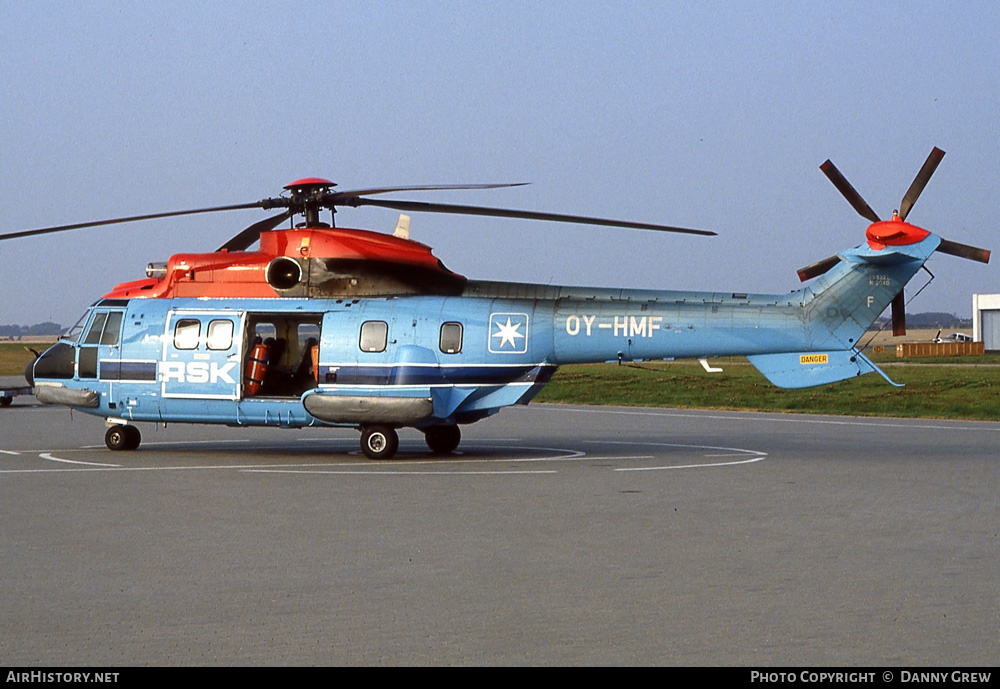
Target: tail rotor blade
(818, 268)
(849, 192)
(920, 181)
(899, 315)
(973, 253)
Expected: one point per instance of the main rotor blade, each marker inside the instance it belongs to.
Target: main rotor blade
(251, 234)
(920, 181)
(818, 268)
(419, 206)
(133, 218)
(849, 192)
(425, 187)
(973, 253)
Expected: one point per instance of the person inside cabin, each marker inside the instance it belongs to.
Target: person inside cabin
(277, 377)
(304, 377)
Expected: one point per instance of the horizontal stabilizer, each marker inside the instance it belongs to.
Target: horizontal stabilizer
(808, 369)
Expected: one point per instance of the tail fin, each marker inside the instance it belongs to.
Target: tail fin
(848, 298)
(839, 307)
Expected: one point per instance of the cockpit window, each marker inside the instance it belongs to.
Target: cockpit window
(96, 328)
(73, 334)
(105, 329)
(112, 328)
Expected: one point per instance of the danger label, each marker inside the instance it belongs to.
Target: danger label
(813, 359)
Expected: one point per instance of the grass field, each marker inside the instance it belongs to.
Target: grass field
(932, 390)
(14, 356)
(957, 388)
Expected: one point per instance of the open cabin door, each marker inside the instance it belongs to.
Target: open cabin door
(202, 354)
(282, 354)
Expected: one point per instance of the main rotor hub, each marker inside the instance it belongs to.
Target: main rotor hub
(308, 196)
(309, 185)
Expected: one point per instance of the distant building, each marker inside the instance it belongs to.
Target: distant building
(986, 320)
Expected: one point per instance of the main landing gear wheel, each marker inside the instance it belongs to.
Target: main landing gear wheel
(379, 442)
(442, 440)
(122, 438)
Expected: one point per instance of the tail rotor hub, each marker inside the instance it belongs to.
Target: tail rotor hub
(894, 232)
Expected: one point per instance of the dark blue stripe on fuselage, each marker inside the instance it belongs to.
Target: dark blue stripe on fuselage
(141, 371)
(406, 374)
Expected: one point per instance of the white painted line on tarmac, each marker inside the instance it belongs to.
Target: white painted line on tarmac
(607, 457)
(157, 443)
(756, 455)
(693, 466)
(376, 472)
(76, 461)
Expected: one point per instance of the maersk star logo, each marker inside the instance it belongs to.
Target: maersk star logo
(508, 333)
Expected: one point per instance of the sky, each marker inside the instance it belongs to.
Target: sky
(711, 115)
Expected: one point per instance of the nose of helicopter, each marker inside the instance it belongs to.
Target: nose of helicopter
(29, 372)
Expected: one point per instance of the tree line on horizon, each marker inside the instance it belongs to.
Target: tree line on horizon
(46, 328)
(932, 319)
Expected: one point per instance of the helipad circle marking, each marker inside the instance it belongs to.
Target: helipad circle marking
(756, 455)
(395, 467)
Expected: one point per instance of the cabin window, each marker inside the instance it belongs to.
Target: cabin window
(307, 332)
(220, 335)
(451, 338)
(186, 333)
(264, 330)
(374, 335)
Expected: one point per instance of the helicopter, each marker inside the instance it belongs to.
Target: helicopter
(951, 337)
(328, 326)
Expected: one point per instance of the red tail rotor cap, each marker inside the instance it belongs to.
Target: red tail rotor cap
(894, 232)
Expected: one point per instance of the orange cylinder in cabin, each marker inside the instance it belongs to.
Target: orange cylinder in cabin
(256, 368)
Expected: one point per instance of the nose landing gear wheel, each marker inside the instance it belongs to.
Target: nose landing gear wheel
(122, 438)
(443, 440)
(379, 442)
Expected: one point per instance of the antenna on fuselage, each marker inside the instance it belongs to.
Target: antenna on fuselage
(402, 227)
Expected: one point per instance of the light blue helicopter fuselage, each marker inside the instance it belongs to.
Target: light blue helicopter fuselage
(426, 360)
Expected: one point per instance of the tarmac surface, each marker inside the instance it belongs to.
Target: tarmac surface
(557, 535)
